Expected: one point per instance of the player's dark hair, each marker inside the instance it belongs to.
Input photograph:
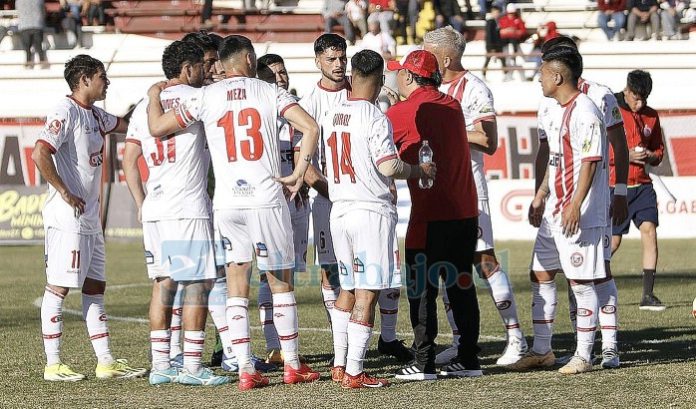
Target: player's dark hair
(270, 59)
(216, 39)
(264, 72)
(367, 63)
(81, 65)
(234, 44)
(328, 42)
(434, 81)
(639, 82)
(178, 53)
(560, 41)
(568, 57)
(201, 39)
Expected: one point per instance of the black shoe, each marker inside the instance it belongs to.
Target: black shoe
(651, 303)
(216, 357)
(395, 348)
(416, 372)
(465, 368)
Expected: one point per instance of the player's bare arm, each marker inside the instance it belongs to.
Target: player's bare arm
(617, 139)
(541, 164)
(536, 208)
(399, 169)
(300, 120)
(314, 178)
(42, 157)
(159, 123)
(570, 218)
(122, 126)
(484, 137)
(133, 180)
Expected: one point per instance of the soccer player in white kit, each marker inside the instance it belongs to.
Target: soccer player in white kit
(607, 292)
(250, 210)
(68, 154)
(575, 201)
(361, 161)
(176, 220)
(476, 100)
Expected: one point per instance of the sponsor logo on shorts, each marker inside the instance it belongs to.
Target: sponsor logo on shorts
(57, 318)
(226, 244)
(503, 305)
(343, 270)
(261, 250)
(55, 126)
(606, 241)
(149, 257)
(96, 159)
(576, 259)
(358, 266)
(243, 189)
(609, 309)
(584, 312)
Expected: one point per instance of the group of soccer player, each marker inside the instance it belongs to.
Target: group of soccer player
(222, 107)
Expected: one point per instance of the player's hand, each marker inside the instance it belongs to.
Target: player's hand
(619, 210)
(156, 89)
(302, 197)
(429, 170)
(392, 95)
(76, 202)
(536, 212)
(395, 194)
(637, 157)
(570, 219)
(293, 183)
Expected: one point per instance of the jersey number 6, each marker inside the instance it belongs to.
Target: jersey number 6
(252, 149)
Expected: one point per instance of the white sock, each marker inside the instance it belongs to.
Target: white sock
(572, 309)
(193, 350)
(388, 311)
(266, 316)
(285, 319)
(586, 297)
(52, 324)
(238, 324)
(359, 334)
(608, 301)
(450, 315)
(159, 347)
(504, 300)
(95, 318)
(543, 315)
(329, 295)
(217, 304)
(339, 328)
(175, 326)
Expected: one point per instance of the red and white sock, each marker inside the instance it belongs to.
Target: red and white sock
(388, 311)
(359, 334)
(52, 324)
(504, 299)
(572, 309)
(586, 297)
(238, 324)
(543, 314)
(608, 301)
(450, 316)
(339, 330)
(266, 316)
(95, 318)
(193, 350)
(217, 305)
(175, 326)
(159, 348)
(285, 319)
(329, 295)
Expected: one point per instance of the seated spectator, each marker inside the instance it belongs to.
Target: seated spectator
(384, 9)
(31, 24)
(493, 42)
(448, 12)
(407, 20)
(95, 12)
(512, 32)
(544, 33)
(377, 40)
(334, 13)
(612, 10)
(72, 21)
(671, 14)
(643, 12)
(356, 10)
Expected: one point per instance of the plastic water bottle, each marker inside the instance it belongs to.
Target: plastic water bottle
(425, 155)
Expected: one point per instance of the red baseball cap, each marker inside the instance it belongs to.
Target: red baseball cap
(419, 62)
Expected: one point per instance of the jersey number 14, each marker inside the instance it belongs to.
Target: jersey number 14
(345, 161)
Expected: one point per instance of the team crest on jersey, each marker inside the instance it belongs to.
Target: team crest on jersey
(576, 259)
(55, 126)
(358, 266)
(261, 250)
(149, 257)
(343, 270)
(647, 131)
(615, 113)
(96, 159)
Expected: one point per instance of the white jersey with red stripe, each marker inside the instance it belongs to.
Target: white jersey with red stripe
(178, 164)
(576, 134)
(476, 100)
(357, 137)
(75, 135)
(285, 135)
(240, 118)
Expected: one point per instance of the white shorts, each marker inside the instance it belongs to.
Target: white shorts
(324, 249)
(485, 227)
(179, 249)
(365, 250)
(581, 257)
(266, 232)
(300, 229)
(72, 257)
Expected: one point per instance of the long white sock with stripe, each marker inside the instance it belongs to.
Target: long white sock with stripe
(359, 334)
(586, 297)
(450, 315)
(238, 324)
(608, 299)
(193, 350)
(52, 325)
(217, 305)
(339, 329)
(175, 326)
(159, 348)
(388, 311)
(329, 295)
(543, 315)
(504, 299)
(95, 318)
(285, 319)
(266, 316)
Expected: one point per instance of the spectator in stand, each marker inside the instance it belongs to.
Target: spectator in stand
(95, 12)
(384, 9)
(512, 32)
(644, 12)
(207, 14)
(356, 10)
(407, 19)
(544, 33)
(447, 12)
(670, 16)
(334, 13)
(72, 21)
(612, 10)
(377, 40)
(494, 44)
(32, 20)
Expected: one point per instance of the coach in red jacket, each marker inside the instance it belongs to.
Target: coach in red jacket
(443, 227)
